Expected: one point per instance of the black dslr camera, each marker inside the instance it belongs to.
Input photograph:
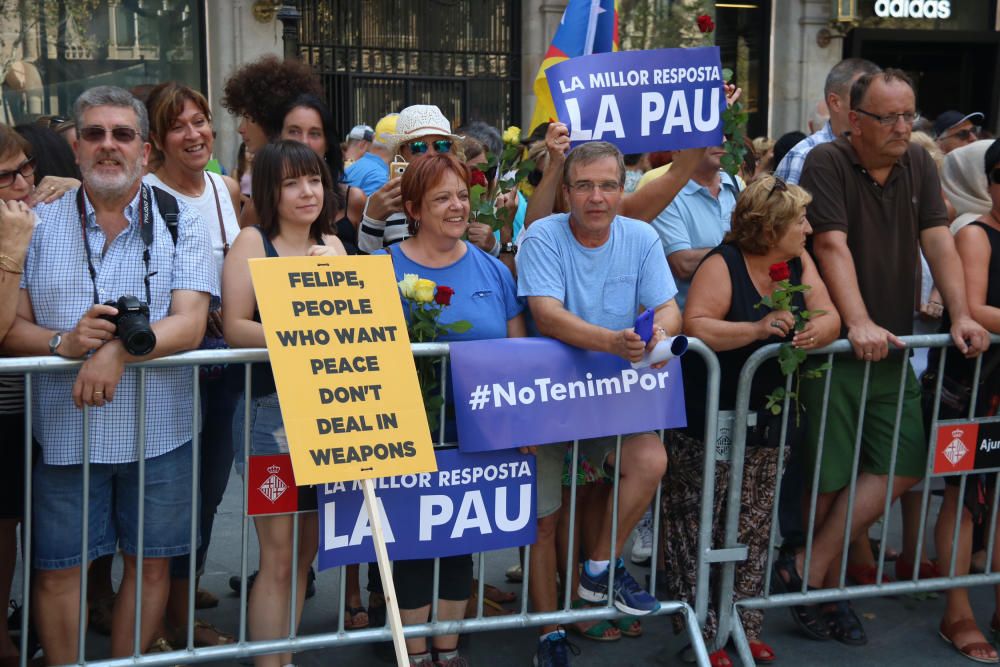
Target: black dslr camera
(132, 325)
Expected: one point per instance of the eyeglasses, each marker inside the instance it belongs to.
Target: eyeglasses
(963, 135)
(994, 176)
(779, 186)
(440, 146)
(95, 134)
(586, 187)
(890, 120)
(26, 169)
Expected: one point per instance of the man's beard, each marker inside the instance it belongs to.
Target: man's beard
(108, 186)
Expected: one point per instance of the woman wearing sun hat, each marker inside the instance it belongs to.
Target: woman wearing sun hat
(421, 129)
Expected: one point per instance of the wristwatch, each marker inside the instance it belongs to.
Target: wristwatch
(509, 247)
(55, 342)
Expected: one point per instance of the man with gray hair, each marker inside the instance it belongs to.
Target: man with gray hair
(587, 275)
(108, 242)
(837, 94)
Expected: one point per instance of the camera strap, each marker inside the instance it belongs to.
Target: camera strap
(145, 231)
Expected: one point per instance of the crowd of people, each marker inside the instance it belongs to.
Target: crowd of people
(121, 215)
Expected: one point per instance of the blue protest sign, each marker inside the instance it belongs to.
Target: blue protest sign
(642, 101)
(531, 391)
(473, 503)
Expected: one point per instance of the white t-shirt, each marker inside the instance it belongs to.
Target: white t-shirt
(206, 209)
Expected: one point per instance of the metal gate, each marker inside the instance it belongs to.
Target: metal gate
(378, 56)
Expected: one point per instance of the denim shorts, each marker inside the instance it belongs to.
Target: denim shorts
(113, 514)
(267, 429)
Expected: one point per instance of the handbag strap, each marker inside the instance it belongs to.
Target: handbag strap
(218, 211)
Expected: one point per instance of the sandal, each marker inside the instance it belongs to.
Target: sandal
(968, 625)
(761, 652)
(629, 626)
(603, 630)
(845, 626)
(719, 659)
(809, 618)
(864, 575)
(491, 592)
(205, 600)
(352, 620)
(218, 637)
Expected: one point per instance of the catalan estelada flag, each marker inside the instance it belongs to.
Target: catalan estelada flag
(587, 26)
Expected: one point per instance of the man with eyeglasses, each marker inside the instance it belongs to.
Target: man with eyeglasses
(953, 129)
(106, 240)
(587, 275)
(421, 130)
(876, 196)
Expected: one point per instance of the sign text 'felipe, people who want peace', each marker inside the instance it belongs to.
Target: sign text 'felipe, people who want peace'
(342, 364)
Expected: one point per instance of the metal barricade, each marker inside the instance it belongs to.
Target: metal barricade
(730, 625)
(294, 642)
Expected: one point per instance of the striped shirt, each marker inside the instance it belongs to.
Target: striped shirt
(790, 169)
(61, 291)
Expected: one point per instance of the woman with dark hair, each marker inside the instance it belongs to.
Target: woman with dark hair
(308, 120)
(182, 139)
(53, 154)
(290, 186)
(435, 195)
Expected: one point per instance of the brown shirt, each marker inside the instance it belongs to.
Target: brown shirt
(883, 223)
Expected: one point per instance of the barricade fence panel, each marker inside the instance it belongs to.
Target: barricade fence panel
(868, 494)
(34, 367)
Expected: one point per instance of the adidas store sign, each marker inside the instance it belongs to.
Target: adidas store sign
(913, 9)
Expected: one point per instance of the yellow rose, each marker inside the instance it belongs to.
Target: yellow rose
(423, 291)
(512, 135)
(407, 284)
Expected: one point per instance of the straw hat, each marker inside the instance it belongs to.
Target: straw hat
(419, 120)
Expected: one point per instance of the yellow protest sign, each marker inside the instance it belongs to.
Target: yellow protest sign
(342, 364)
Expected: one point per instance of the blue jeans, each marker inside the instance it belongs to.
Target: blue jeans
(113, 512)
(217, 405)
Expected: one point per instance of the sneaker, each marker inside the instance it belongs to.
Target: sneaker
(457, 661)
(234, 583)
(554, 651)
(642, 546)
(629, 596)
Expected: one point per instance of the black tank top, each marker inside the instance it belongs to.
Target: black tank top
(345, 229)
(742, 309)
(261, 375)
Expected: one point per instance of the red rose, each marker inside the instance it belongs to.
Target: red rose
(705, 23)
(443, 295)
(477, 177)
(779, 272)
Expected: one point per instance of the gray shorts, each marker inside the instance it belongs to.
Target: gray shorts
(550, 459)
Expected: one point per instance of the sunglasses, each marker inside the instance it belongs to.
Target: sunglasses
(95, 134)
(440, 146)
(26, 169)
(994, 176)
(964, 135)
(779, 186)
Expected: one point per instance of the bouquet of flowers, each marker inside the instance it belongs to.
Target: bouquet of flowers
(425, 302)
(790, 358)
(509, 169)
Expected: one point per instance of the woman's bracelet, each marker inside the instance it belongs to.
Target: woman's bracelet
(9, 265)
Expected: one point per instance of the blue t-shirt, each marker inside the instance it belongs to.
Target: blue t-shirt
(485, 294)
(606, 286)
(369, 173)
(696, 219)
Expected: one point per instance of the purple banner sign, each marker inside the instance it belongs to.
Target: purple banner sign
(642, 101)
(473, 503)
(532, 391)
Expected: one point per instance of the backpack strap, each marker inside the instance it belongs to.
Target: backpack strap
(166, 203)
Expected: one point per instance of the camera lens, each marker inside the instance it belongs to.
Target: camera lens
(135, 333)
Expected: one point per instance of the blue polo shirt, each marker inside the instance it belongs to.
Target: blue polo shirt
(369, 173)
(696, 219)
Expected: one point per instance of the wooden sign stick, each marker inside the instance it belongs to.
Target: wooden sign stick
(385, 571)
